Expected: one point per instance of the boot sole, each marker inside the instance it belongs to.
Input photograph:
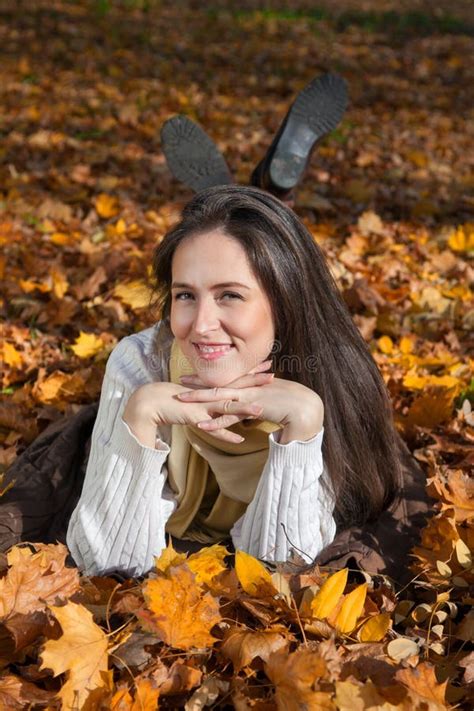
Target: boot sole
(192, 156)
(316, 111)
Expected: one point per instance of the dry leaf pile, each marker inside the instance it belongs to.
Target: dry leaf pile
(84, 196)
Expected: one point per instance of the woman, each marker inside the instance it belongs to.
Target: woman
(195, 438)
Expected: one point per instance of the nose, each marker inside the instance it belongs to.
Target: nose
(206, 317)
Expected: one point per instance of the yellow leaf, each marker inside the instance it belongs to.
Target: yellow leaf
(179, 612)
(87, 345)
(57, 388)
(106, 206)
(135, 294)
(253, 576)
(351, 609)
(329, 595)
(60, 283)
(375, 628)
(462, 239)
(385, 344)
(168, 558)
(11, 356)
(81, 653)
(207, 563)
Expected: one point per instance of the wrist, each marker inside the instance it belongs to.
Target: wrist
(140, 423)
(305, 424)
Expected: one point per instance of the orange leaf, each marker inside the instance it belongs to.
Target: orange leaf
(11, 356)
(106, 206)
(180, 613)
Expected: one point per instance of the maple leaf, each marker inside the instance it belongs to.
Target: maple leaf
(87, 345)
(36, 579)
(296, 677)
(81, 653)
(423, 684)
(456, 491)
(179, 612)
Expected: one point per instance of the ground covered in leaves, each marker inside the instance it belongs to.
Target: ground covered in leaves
(85, 194)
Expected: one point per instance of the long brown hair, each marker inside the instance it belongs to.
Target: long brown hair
(314, 329)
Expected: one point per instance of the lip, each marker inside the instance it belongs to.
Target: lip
(217, 354)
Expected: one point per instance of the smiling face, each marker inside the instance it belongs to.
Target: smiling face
(220, 315)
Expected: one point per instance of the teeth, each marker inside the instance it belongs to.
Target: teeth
(212, 349)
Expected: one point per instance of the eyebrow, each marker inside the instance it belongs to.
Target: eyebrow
(183, 285)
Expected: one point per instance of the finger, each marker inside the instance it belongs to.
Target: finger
(209, 395)
(232, 412)
(227, 436)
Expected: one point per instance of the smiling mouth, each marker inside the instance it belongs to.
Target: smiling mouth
(208, 349)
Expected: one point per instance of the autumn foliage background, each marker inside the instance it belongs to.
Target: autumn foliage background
(85, 195)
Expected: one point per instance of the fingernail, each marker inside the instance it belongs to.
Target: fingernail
(184, 378)
(256, 409)
(184, 396)
(241, 439)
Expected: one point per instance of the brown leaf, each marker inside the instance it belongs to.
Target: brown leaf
(36, 579)
(16, 693)
(422, 681)
(296, 677)
(242, 646)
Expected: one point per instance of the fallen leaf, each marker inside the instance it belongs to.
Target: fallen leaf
(81, 653)
(179, 611)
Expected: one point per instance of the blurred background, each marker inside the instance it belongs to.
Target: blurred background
(85, 192)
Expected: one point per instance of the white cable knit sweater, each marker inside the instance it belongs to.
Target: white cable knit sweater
(119, 522)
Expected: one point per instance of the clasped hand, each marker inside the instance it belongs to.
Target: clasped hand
(256, 395)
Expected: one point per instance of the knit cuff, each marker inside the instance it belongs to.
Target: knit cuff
(297, 452)
(135, 450)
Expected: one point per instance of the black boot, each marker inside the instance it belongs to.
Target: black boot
(192, 156)
(316, 111)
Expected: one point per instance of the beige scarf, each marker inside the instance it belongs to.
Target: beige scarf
(213, 480)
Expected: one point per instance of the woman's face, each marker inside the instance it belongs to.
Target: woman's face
(217, 301)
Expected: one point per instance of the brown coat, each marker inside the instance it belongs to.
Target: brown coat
(48, 480)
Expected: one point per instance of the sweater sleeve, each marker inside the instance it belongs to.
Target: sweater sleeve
(292, 506)
(119, 521)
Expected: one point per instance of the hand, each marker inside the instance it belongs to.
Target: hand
(155, 404)
(294, 406)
